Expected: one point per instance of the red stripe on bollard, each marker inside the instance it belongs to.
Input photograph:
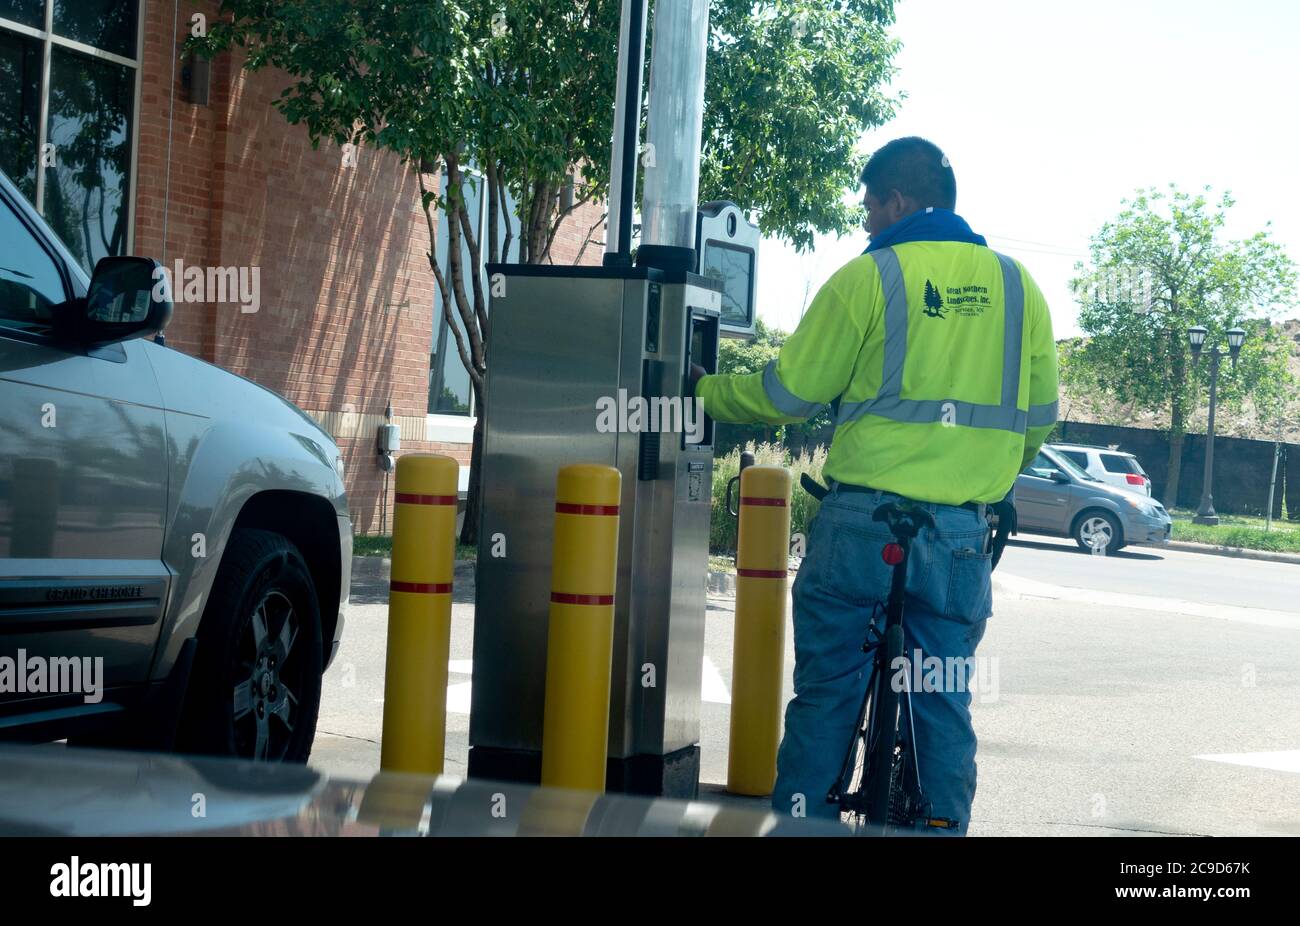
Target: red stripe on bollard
(421, 588)
(763, 573)
(768, 502)
(566, 598)
(407, 498)
(571, 508)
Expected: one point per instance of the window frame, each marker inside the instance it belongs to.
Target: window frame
(48, 40)
(451, 423)
(17, 205)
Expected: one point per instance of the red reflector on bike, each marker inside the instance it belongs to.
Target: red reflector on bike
(892, 554)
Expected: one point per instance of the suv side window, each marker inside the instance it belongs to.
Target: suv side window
(1115, 463)
(1076, 456)
(30, 282)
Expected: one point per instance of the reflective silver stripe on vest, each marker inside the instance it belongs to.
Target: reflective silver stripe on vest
(786, 402)
(1041, 416)
(891, 281)
(889, 402)
(1013, 291)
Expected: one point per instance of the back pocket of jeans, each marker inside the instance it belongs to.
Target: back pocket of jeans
(970, 586)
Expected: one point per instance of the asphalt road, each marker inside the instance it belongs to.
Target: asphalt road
(1152, 692)
(1156, 571)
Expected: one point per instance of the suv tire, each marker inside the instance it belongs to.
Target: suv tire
(256, 685)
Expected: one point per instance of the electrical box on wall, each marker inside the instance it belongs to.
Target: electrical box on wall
(390, 438)
(196, 78)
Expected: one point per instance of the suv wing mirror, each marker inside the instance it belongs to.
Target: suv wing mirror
(1062, 478)
(129, 297)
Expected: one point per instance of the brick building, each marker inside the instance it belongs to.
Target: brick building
(99, 128)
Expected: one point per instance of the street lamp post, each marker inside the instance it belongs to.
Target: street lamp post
(1205, 514)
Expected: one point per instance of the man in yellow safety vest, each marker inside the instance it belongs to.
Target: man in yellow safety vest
(936, 356)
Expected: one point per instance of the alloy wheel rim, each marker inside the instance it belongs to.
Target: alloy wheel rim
(265, 703)
(1095, 530)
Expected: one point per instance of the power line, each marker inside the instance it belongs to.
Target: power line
(1041, 244)
(1076, 255)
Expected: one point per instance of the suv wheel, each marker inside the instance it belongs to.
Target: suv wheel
(255, 689)
(1098, 527)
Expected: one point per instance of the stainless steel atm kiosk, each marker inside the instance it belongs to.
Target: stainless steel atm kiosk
(565, 339)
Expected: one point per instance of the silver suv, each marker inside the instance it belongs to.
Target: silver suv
(1054, 496)
(1114, 467)
(175, 545)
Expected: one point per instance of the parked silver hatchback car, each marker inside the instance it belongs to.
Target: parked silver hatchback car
(1055, 496)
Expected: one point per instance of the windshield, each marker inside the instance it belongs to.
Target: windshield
(1066, 465)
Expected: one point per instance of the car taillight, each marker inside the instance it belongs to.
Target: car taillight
(1135, 480)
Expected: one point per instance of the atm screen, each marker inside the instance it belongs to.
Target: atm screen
(734, 267)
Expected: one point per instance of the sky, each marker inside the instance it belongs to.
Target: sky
(1053, 112)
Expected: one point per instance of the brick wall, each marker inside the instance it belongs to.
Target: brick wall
(346, 315)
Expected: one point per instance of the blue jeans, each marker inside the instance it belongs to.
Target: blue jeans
(949, 599)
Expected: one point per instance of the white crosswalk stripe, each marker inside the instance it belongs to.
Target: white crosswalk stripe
(1285, 761)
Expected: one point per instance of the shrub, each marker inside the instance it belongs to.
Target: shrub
(722, 526)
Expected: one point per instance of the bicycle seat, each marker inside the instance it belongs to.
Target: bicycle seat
(903, 521)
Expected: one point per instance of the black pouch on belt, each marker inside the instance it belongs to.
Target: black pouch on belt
(1005, 511)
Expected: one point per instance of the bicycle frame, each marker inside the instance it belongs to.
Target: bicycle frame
(885, 798)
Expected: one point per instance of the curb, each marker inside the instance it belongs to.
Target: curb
(1239, 552)
(381, 567)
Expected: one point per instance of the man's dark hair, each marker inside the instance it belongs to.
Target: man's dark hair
(916, 168)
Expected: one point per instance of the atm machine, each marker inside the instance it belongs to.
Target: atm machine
(564, 339)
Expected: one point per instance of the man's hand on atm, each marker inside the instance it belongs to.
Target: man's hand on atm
(697, 372)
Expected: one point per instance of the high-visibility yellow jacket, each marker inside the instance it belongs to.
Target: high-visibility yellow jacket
(938, 361)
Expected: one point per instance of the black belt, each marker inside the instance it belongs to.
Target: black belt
(850, 487)
(1005, 510)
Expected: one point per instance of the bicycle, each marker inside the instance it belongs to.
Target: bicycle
(879, 786)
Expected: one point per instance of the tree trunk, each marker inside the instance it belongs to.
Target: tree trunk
(1177, 417)
(1177, 429)
(1173, 473)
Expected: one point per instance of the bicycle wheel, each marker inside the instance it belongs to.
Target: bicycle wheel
(848, 791)
(880, 777)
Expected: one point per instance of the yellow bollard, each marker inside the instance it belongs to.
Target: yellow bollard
(758, 648)
(580, 636)
(419, 614)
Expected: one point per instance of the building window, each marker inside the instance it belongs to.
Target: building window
(69, 71)
(450, 389)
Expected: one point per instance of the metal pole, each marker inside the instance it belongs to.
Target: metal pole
(1272, 483)
(627, 132)
(1206, 514)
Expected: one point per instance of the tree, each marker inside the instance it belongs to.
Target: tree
(1158, 268)
(524, 91)
(933, 301)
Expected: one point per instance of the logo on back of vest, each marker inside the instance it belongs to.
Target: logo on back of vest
(968, 301)
(933, 301)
